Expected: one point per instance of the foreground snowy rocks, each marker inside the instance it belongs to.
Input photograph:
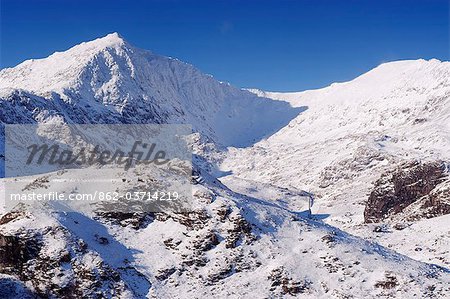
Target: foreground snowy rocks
(231, 245)
(51, 262)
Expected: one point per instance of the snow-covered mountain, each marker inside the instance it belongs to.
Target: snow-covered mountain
(109, 81)
(250, 235)
(353, 133)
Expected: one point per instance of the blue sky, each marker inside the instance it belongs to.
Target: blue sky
(272, 45)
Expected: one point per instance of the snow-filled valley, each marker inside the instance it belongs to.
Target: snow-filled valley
(372, 153)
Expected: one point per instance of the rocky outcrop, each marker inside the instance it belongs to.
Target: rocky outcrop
(49, 262)
(15, 252)
(420, 189)
(284, 285)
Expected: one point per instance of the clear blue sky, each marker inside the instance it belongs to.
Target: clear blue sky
(273, 45)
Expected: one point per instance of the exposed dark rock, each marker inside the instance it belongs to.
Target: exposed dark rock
(389, 282)
(207, 242)
(224, 272)
(192, 220)
(171, 244)
(223, 212)
(11, 216)
(16, 251)
(163, 274)
(419, 121)
(196, 258)
(411, 182)
(437, 203)
(332, 263)
(285, 284)
(133, 220)
(241, 228)
(400, 226)
(41, 182)
(330, 238)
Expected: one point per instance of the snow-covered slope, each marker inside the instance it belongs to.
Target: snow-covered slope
(351, 133)
(399, 109)
(230, 246)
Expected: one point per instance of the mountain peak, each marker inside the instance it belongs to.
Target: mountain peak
(61, 69)
(111, 39)
(114, 35)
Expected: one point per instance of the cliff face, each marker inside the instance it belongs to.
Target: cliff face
(413, 184)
